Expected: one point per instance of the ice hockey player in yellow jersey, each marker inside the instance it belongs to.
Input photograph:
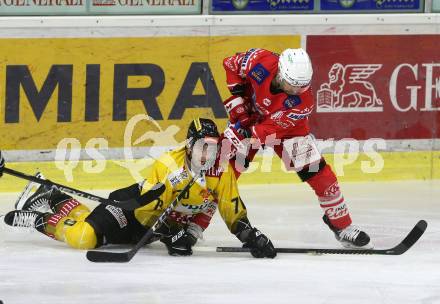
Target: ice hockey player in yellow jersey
(63, 218)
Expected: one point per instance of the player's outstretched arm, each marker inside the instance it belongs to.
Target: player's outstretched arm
(234, 213)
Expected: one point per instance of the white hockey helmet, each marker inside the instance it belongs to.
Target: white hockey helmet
(295, 68)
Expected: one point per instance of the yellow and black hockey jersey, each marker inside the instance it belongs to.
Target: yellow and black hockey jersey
(216, 190)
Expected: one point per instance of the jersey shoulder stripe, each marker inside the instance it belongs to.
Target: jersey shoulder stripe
(256, 56)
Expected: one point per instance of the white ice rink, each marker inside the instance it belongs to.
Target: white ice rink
(35, 269)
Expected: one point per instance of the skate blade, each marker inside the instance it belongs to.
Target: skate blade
(26, 193)
(348, 245)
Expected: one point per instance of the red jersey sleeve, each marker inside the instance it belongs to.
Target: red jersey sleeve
(238, 66)
(232, 67)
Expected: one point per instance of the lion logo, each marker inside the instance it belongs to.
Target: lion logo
(348, 89)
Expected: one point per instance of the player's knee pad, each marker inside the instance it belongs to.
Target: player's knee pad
(323, 179)
(326, 187)
(312, 170)
(80, 235)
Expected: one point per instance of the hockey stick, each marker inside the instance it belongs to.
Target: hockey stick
(122, 257)
(130, 204)
(401, 248)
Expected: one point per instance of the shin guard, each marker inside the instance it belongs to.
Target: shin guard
(326, 187)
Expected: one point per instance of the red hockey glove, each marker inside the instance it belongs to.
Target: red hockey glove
(238, 111)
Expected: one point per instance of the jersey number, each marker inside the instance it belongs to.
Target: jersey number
(159, 204)
(236, 201)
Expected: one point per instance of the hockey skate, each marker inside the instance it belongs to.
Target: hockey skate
(25, 219)
(351, 237)
(38, 201)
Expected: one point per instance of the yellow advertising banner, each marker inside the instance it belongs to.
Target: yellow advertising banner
(88, 88)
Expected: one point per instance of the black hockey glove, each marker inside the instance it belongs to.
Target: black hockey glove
(177, 240)
(2, 164)
(126, 193)
(179, 243)
(252, 238)
(260, 245)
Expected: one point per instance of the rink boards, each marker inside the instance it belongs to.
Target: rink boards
(88, 89)
(417, 165)
(74, 87)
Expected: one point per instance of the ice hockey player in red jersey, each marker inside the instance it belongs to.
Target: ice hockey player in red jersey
(270, 104)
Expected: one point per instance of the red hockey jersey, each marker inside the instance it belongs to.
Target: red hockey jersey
(285, 115)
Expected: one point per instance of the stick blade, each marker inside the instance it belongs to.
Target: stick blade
(108, 257)
(412, 237)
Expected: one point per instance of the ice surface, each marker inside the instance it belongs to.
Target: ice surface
(36, 269)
